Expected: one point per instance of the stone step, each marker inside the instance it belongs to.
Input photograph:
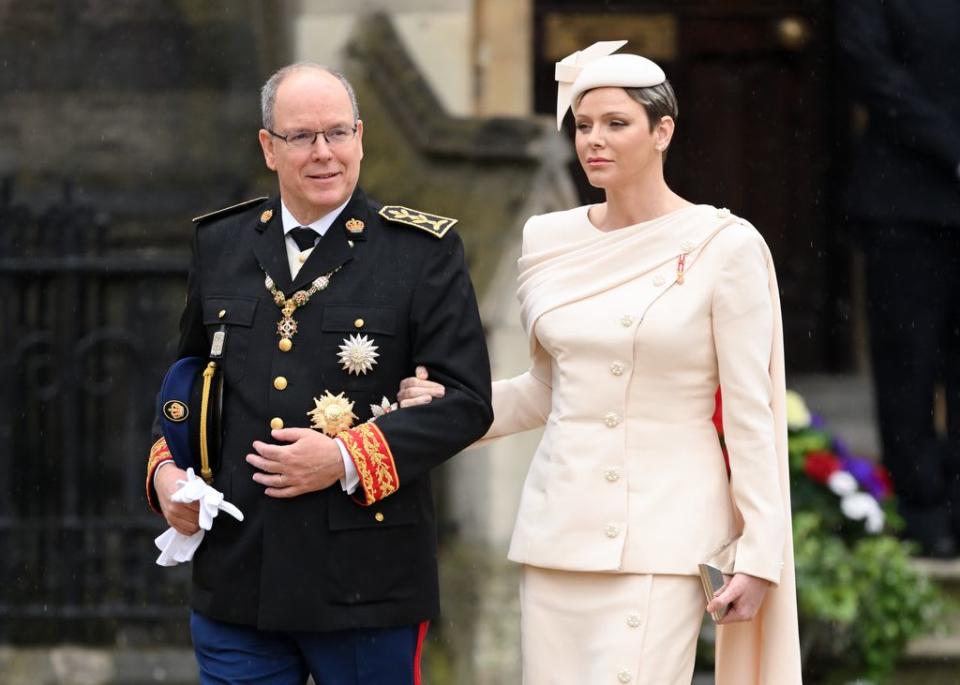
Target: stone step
(935, 659)
(70, 665)
(946, 572)
(943, 648)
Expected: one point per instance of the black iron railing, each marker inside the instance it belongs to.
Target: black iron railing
(85, 330)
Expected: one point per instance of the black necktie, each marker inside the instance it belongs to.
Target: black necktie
(304, 237)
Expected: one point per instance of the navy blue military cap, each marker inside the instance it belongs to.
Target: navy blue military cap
(189, 405)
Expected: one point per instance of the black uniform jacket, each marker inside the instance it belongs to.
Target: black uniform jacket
(902, 62)
(326, 561)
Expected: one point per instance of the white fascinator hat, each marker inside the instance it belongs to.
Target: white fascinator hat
(597, 67)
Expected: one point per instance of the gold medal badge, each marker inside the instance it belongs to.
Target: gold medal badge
(332, 414)
(176, 411)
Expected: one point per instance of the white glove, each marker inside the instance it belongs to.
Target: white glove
(176, 547)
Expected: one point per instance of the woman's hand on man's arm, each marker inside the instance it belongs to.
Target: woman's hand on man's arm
(415, 390)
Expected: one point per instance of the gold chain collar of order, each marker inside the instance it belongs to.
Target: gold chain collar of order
(287, 325)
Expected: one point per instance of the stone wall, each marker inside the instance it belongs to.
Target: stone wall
(140, 104)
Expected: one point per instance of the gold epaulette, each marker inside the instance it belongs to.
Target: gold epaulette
(433, 224)
(228, 210)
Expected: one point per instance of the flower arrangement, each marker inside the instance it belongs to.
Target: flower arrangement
(826, 476)
(860, 600)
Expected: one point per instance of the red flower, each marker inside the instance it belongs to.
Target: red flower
(884, 479)
(718, 414)
(820, 465)
(718, 424)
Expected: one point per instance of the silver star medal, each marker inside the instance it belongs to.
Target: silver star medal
(357, 354)
(379, 410)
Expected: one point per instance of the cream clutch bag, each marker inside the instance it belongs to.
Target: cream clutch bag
(715, 570)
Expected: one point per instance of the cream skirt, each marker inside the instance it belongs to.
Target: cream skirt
(580, 628)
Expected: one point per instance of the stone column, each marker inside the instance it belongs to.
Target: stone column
(436, 33)
(503, 57)
(485, 483)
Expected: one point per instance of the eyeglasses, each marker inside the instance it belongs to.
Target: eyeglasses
(303, 140)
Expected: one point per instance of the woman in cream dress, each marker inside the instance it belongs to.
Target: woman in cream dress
(636, 309)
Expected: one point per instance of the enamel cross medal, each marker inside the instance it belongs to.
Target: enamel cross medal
(287, 325)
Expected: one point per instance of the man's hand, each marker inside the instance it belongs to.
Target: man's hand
(418, 390)
(183, 518)
(744, 593)
(311, 461)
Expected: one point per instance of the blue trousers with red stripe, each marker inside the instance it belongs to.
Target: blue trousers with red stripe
(229, 654)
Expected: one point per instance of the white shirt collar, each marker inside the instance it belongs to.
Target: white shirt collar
(321, 225)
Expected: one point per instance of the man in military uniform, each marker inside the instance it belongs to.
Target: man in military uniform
(316, 304)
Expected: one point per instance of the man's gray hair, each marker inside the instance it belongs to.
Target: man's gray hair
(268, 94)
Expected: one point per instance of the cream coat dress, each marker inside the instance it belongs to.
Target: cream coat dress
(630, 332)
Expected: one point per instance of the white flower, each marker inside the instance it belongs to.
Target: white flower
(383, 408)
(842, 483)
(874, 522)
(856, 506)
(859, 506)
(357, 354)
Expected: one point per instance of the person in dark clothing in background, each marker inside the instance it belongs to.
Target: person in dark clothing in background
(904, 197)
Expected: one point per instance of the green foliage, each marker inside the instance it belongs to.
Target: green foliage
(860, 599)
(860, 602)
(802, 443)
(825, 589)
(900, 603)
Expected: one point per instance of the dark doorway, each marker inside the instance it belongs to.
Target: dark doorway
(756, 133)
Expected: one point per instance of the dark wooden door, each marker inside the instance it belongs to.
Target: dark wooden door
(755, 83)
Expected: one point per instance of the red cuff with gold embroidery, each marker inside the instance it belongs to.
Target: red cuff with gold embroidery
(370, 453)
(159, 453)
